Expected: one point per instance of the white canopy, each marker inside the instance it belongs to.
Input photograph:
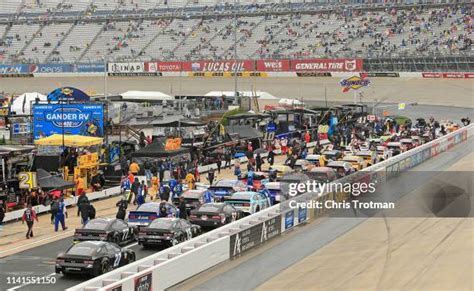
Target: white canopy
(21, 105)
(145, 95)
(290, 102)
(259, 94)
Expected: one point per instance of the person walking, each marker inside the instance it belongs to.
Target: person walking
(271, 157)
(134, 192)
(155, 185)
(258, 163)
(148, 174)
(60, 216)
(80, 185)
(29, 215)
(122, 209)
(134, 168)
(219, 163)
(183, 213)
(211, 176)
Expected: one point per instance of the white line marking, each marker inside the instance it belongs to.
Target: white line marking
(132, 245)
(38, 241)
(20, 286)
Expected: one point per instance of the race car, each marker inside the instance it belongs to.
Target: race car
(303, 165)
(249, 202)
(278, 191)
(213, 215)
(148, 212)
(193, 198)
(396, 147)
(408, 143)
(313, 159)
(370, 157)
(105, 229)
(226, 187)
(383, 153)
(358, 163)
(282, 170)
(342, 168)
(322, 174)
(167, 232)
(93, 258)
(259, 178)
(333, 155)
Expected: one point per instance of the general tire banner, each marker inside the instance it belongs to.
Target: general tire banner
(218, 66)
(272, 65)
(254, 236)
(327, 65)
(144, 283)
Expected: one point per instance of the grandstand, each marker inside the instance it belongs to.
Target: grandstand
(72, 31)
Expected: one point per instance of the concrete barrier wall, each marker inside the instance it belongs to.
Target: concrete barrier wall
(172, 266)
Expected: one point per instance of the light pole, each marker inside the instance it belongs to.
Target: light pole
(235, 50)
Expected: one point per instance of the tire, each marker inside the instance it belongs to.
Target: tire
(145, 245)
(257, 209)
(104, 267)
(131, 258)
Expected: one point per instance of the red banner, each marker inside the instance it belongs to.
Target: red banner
(154, 67)
(432, 75)
(273, 65)
(453, 75)
(218, 66)
(327, 65)
(469, 75)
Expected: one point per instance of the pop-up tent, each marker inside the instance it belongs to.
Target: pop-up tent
(21, 105)
(49, 182)
(146, 95)
(69, 140)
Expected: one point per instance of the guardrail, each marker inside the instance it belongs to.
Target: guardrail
(176, 264)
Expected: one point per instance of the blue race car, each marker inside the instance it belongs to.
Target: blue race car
(226, 187)
(148, 212)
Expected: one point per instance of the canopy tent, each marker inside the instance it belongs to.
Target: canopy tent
(69, 140)
(21, 105)
(157, 150)
(47, 182)
(290, 102)
(146, 95)
(260, 94)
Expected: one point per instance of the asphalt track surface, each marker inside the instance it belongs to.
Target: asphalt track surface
(424, 91)
(262, 264)
(40, 261)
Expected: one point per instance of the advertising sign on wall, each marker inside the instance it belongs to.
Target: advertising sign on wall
(327, 65)
(82, 119)
(254, 236)
(154, 67)
(273, 65)
(129, 69)
(217, 66)
(144, 283)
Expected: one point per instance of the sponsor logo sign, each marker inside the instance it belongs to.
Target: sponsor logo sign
(273, 65)
(144, 283)
(127, 69)
(115, 288)
(254, 236)
(289, 219)
(327, 65)
(302, 214)
(313, 74)
(354, 83)
(88, 68)
(453, 75)
(82, 119)
(469, 75)
(68, 94)
(375, 74)
(14, 69)
(51, 68)
(218, 66)
(154, 67)
(432, 75)
(435, 149)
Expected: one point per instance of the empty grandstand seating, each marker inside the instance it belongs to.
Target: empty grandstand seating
(204, 29)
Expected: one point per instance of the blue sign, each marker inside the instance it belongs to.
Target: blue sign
(271, 126)
(302, 214)
(51, 68)
(88, 68)
(82, 119)
(14, 69)
(289, 219)
(68, 94)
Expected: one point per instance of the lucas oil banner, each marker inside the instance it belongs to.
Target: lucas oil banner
(81, 119)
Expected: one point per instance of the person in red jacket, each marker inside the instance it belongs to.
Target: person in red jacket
(29, 216)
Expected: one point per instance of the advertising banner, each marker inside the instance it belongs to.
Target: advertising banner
(432, 75)
(68, 94)
(218, 66)
(82, 119)
(88, 68)
(51, 68)
(302, 214)
(327, 65)
(273, 65)
(14, 69)
(155, 67)
(254, 236)
(289, 219)
(453, 75)
(144, 283)
(129, 69)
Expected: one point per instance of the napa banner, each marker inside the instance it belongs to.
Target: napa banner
(82, 119)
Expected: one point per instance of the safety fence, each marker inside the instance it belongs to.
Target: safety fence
(178, 263)
(343, 67)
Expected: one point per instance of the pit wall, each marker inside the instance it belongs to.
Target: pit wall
(179, 263)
